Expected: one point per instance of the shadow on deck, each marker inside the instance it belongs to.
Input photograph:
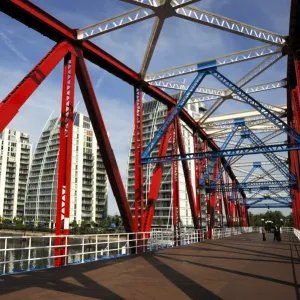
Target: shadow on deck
(239, 267)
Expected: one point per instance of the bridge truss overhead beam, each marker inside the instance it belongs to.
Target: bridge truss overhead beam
(114, 23)
(174, 113)
(37, 19)
(227, 152)
(217, 62)
(213, 20)
(258, 106)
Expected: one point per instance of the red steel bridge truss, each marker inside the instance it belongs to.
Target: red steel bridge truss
(214, 157)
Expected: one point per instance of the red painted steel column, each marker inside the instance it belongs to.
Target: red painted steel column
(10, 106)
(227, 201)
(212, 204)
(294, 165)
(105, 148)
(233, 205)
(204, 163)
(155, 184)
(220, 206)
(187, 176)
(296, 154)
(65, 158)
(138, 167)
(198, 168)
(175, 189)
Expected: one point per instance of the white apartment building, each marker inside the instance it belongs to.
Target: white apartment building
(89, 184)
(153, 116)
(15, 157)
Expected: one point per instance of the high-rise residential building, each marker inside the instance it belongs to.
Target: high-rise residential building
(154, 114)
(89, 180)
(15, 157)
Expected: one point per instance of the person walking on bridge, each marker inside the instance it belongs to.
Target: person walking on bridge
(263, 231)
(275, 233)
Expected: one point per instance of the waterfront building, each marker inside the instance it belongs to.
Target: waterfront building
(15, 157)
(89, 180)
(154, 114)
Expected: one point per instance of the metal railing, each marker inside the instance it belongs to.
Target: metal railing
(219, 233)
(288, 230)
(27, 253)
(297, 233)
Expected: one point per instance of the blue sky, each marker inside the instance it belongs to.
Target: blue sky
(181, 42)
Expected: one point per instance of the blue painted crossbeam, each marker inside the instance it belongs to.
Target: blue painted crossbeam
(227, 152)
(268, 205)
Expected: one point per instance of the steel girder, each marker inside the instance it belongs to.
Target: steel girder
(34, 17)
(138, 168)
(174, 113)
(224, 146)
(179, 86)
(282, 199)
(65, 159)
(227, 152)
(268, 205)
(187, 176)
(254, 103)
(274, 51)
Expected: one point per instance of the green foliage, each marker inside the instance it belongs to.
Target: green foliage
(84, 224)
(74, 224)
(18, 220)
(102, 224)
(274, 216)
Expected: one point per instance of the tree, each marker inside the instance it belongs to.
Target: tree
(274, 216)
(94, 224)
(289, 221)
(83, 223)
(74, 224)
(108, 221)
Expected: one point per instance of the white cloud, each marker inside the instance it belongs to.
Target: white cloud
(10, 45)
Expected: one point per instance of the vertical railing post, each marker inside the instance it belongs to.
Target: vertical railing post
(136, 243)
(96, 248)
(4, 256)
(108, 245)
(49, 250)
(118, 244)
(29, 253)
(82, 250)
(66, 250)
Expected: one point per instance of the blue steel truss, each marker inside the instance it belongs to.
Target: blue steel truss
(174, 113)
(256, 105)
(281, 199)
(248, 133)
(242, 185)
(237, 125)
(255, 166)
(268, 205)
(252, 186)
(227, 152)
(281, 167)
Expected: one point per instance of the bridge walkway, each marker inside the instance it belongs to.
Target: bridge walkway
(238, 267)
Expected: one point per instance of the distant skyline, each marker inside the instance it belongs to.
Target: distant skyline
(181, 42)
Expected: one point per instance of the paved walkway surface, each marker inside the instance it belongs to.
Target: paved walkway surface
(239, 267)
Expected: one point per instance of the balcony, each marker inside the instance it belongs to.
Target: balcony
(88, 163)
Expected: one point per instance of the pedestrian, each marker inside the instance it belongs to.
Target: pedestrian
(263, 231)
(278, 234)
(275, 233)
